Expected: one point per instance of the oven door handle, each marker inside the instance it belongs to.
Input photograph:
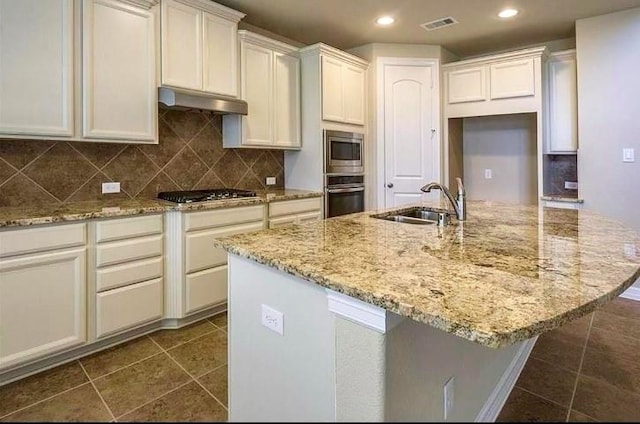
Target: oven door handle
(344, 190)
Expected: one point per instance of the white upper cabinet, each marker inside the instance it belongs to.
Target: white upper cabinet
(199, 46)
(493, 85)
(36, 67)
(270, 83)
(343, 84)
(562, 122)
(119, 72)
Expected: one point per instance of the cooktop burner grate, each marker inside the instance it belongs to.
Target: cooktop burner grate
(190, 196)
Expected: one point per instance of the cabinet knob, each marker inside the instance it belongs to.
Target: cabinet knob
(390, 185)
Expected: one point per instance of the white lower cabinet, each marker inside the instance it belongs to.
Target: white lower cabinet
(42, 298)
(294, 211)
(127, 278)
(206, 288)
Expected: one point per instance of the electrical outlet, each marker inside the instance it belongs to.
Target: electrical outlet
(570, 185)
(488, 174)
(273, 320)
(628, 155)
(110, 188)
(271, 181)
(448, 397)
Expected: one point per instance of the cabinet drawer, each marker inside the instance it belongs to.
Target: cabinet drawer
(290, 207)
(282, 220)
(124, 228)
(128, 250)
(222, 217)
(308, 217)
(21, 241)
(129, 273)
(561, 205)
(206, 288)
(128, 307)
(201, 254)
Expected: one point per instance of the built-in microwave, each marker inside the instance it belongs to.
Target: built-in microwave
(343, 152)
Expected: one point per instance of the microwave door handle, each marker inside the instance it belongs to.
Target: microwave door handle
(344, 190)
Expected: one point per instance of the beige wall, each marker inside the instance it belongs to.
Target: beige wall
(609, 114)
(506, 144)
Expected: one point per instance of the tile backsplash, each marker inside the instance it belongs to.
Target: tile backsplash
(557, 170)
(189, 156)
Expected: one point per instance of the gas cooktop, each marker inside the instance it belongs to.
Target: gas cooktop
(204, 195)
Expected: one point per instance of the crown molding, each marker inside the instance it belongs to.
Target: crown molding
(326, 50)
(146, 4)
(266, 42)
(215, 9)
(541, 52)
(563, 55)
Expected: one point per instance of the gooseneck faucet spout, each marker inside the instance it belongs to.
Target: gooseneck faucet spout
(459, 205)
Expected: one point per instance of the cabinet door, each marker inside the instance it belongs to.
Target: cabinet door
(287, 100)
(181, 45)
(467, 85)
(42, 305)
(36, 64)
(257, 90)
(563, 106)
(220, 55)
(513, 78)
(119, 73)
(353, 91)
(332, 96)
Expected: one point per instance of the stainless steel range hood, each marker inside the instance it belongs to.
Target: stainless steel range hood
(178, 98)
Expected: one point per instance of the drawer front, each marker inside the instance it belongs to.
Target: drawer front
(310, 216)
(206, 288)
(561, 205)
(290, 207)
(128, 250)
(124, 228)
(129, 273)
(282, 220)
(200, 253)
(31, 240)
(128, 307)
(223, 217)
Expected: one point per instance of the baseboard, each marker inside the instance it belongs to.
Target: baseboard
(632, 293)
(493, 405)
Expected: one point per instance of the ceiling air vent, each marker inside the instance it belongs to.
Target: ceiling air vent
(439, 23)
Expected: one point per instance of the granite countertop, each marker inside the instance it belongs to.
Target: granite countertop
(48, 214)
(561, 198)
(508, 273)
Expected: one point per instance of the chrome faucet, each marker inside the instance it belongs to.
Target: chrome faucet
(459, 204)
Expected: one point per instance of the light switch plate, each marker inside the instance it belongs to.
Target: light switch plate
(273, 320)
(628, 155)
(488, 174)
(271, 181)
(110, 188)
(570, 185)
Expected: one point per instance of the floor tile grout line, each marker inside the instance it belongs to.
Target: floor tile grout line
(44, 400)
(584, 350)
(126, 366)
(104, 402)
(190, 340)
(195, 379)
(541, 397)
(152, 400)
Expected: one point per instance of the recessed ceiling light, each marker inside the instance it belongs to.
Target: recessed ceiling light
(508, 13)
(385, 20)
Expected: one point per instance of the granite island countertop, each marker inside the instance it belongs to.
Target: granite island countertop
(507, 274)
(77, 211)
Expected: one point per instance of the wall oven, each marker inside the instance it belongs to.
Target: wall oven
(343, 152)
(344, 194)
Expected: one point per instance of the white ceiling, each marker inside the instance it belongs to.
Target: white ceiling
(349, 23)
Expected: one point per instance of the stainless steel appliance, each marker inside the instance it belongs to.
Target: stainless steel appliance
(344, 194)
(343, 152)
(191, 196)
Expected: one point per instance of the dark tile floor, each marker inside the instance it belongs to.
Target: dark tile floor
(169, 375)
(588, 370)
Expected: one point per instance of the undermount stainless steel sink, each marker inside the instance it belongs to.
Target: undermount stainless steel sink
(418, 215)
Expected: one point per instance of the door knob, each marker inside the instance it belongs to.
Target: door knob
(390, 185)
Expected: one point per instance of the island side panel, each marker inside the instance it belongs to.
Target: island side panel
(274, 377)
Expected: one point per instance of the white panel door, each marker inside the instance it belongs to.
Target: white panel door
(332, 95)
(411, 148)
(220, 55)
(119, 75)
(181, 45)
(42, 305)
(257, 63)
(353, 80)
(36, 67)
(287, 100)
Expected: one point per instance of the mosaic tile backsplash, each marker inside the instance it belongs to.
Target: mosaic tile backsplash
(189, 156)
(557, 170)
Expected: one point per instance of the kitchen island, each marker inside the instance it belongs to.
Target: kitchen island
(378, 316)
